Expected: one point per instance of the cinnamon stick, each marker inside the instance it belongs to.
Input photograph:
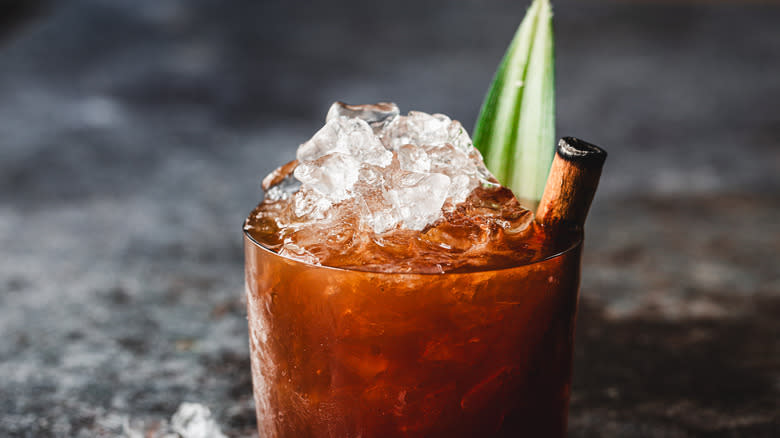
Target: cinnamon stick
(574, 176)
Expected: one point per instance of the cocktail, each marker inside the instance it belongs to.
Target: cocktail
(395, 288)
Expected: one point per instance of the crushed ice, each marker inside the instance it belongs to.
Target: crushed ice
(394, 170)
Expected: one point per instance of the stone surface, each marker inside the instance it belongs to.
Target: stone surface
(134, 136)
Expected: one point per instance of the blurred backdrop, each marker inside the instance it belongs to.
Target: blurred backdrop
(133, 137)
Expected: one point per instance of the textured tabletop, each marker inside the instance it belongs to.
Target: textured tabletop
(133, 137)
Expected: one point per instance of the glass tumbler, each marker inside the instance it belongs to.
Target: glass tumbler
(349, 353)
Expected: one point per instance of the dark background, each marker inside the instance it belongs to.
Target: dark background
(133, 136)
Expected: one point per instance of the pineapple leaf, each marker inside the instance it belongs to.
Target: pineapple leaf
(515, 130)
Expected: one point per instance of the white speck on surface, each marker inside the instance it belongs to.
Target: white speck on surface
(193, 420)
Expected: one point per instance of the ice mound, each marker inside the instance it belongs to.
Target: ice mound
(410, 168)
(372, 181)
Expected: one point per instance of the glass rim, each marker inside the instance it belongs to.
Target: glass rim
(571, 247)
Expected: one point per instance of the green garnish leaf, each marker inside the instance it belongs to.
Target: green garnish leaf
(515, 130)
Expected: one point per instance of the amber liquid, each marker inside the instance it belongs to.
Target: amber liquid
(347, 353)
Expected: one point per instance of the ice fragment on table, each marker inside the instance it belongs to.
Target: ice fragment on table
(193, 420)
